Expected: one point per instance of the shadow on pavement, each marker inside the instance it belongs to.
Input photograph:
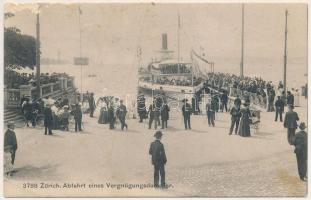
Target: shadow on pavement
(263, 133)
(31, 172)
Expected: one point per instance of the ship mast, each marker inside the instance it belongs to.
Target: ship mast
(178, 47)
(242, 53)
(285, 53)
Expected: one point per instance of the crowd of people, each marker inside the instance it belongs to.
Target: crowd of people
(14, 79)
(174, 68)
(175, 81)
(113, 110)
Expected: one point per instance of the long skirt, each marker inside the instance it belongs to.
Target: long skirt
(103, 117)
(244, 127)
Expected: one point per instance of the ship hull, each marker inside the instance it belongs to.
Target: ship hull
(172, 92)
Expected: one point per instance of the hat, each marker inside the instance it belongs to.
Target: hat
(302, 126)
(158, 134)
(184, 100)
(11, 123)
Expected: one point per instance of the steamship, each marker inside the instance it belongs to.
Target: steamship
(176, 78)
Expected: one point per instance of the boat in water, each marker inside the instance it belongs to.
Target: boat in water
(176, 78)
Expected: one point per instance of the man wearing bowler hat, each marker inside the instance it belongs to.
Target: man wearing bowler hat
(158, 159)
(290, 122)
(301, 151)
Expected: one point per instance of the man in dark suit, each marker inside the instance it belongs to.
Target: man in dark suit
(111, 116)
(235, 119)
(91, 104)
(154, 114)
(186, 111)
(237, 101)
(10, 140)
(290, 122)
(290, 98)
(48, 120)
(279, 108)
(121, 113)
(224, 101)
(28, 111)
(210, 110)
(77, 115)
(301, 151)
(158, 159)
(165, 109)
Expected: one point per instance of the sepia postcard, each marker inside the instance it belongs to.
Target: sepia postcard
(155, 99)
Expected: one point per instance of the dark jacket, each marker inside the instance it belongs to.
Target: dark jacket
(157, 153)
(186, 109)
(279, 105)
(291, 119)
(121, 111)
(91, 102)
(10, 139)
(48, 117)
(237, 101)
(215, 103)
(77, 113)
(301, 143)
(28, 110)
(165, 112)
(153, 111)
(111, 114)
(224, 98)
(210, 107)
(290, 99)
(235, 113)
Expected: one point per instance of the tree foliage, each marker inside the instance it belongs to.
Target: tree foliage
(19, 49)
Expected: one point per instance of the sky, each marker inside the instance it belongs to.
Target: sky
(111, 33)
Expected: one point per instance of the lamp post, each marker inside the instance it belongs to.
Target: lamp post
(285, 54)
(242, 53)
(38, 53)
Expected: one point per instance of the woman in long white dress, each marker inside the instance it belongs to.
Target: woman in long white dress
(103, 116)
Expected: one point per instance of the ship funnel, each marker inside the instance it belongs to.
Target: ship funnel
(164, 41)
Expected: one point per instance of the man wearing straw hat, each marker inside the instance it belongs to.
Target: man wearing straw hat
(10, 140)
(158, 158)
(301, 150)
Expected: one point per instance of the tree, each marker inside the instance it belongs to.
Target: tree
(19, 49)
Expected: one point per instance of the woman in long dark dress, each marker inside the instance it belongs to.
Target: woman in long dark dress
(244, 127)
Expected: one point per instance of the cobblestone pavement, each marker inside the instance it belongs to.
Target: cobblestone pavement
(272, 177)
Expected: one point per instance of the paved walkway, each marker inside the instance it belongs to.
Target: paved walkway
(205, 161)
